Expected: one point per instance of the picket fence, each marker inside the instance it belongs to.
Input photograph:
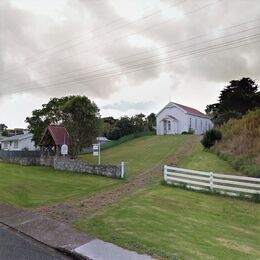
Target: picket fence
(223, 183)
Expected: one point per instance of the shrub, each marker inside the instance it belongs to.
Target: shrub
(190, 132)
(114, 133)
(210, 137)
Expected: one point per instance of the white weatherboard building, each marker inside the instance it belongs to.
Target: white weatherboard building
(18, 143)
(175, 118)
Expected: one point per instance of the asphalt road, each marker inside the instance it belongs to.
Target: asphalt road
(14, 245)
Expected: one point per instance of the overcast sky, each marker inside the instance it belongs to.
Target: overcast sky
(127, 56)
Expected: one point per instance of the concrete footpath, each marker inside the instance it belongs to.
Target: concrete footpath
(63, 237)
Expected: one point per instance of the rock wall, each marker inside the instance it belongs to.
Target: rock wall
(22, 160)
(69, 165)
(83, 167)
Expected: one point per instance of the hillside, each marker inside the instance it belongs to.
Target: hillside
(240, 144)
(189, 224)
(143, 153)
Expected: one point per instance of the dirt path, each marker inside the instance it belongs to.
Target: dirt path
(71, 211)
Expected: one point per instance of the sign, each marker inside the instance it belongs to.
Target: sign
(95, 147)
(64, 149)
(95, 150)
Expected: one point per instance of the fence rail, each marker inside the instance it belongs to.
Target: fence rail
(201, 180)
(20, 154)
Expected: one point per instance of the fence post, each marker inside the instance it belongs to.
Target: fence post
(165, 173)
(122, 170)
(211, 181)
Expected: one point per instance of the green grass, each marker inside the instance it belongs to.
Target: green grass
(206, 161)
(125, 139)
(171, 223)
(139, 154)
(143, 153)
(33, 186)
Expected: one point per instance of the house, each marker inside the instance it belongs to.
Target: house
(102, 139)
(175, 118)
(18, 142)
(1, 138)
(53, 138)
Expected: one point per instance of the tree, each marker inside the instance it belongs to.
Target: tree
(139, 123)
(151, 121)
(3, 127)
(235, 100)
(78, 114)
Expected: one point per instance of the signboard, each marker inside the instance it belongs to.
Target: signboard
(95, 150)
(95, 147)
(64, 149)
(95, 153)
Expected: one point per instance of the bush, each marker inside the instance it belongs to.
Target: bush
(114, 133)
(210, 137)
(190, 132)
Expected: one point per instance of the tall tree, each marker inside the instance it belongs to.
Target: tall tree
(235, 100)
(81, 118)
(151, 121)
(77, 113)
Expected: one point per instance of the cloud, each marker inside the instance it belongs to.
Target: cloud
(107, 49)
(125, 106)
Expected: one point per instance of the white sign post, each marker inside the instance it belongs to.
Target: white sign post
(64, 150)
(96, 151)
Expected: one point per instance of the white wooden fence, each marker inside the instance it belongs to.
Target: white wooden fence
(222, 183)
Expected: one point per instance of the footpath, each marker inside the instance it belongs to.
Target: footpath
(62, 236)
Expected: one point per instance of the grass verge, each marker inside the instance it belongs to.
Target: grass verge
(171, 223)
(33, 186)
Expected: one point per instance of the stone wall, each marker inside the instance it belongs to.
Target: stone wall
(22, 160)
(69, 165)
(83, 167)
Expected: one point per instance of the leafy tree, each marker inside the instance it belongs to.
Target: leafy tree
(77, 113)
(151, 121)
(139, 123)
(115, 128)
(49, 114)
(108, 125)
(125, 124)
(114, 133)
(80, 116)
(3, 128)
(235, 100)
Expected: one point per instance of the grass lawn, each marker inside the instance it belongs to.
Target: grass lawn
(206, 161)
(33, 186)
(139, 154)
(143, 153)
(171, 223)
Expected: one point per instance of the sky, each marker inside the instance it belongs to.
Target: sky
(126, 56)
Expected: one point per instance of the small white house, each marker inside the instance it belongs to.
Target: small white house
(175, 118)
(18, 143)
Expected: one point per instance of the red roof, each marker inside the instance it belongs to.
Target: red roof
(190, 110)
(59, 134)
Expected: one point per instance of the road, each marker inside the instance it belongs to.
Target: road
(14, 246)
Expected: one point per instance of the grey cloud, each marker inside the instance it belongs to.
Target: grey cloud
(74, 65)
(125, 106)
